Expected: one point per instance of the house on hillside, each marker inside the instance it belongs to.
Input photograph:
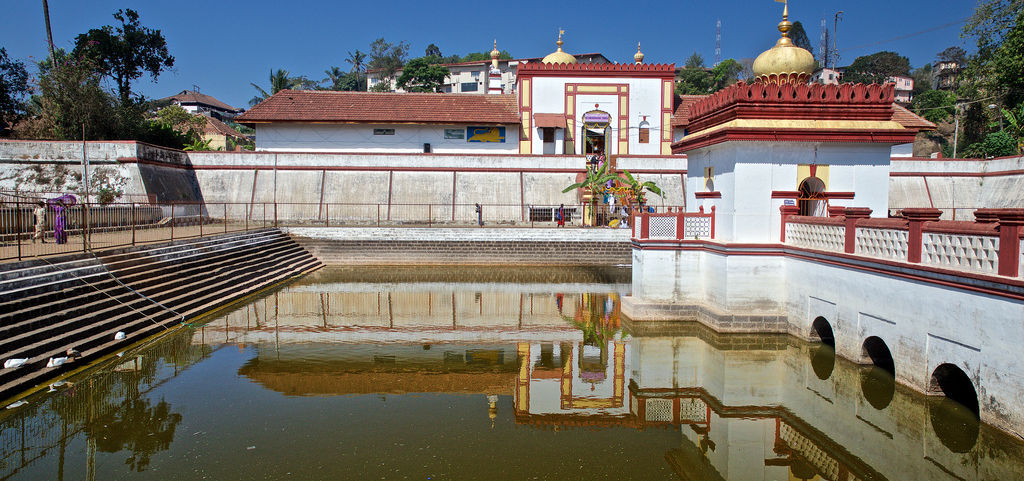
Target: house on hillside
(221, 136)
(197, 103)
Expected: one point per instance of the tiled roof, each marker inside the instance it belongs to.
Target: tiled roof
(188, 96)
(330, 106)
(681, 109)
(214, 126)
(909, 119)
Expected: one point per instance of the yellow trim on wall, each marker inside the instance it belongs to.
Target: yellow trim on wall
(803, 172)
(597, 89)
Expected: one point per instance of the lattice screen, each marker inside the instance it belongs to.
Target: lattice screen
(976, 253)
(662, 227)
(697, 227)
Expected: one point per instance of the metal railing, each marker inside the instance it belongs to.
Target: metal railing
(121, 224)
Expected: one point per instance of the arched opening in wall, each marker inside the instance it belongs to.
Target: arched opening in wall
(812, 200)
(821, 330)
(877, 382)
(955, 415)
(875, 349)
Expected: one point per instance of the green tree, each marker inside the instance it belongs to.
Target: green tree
(799, 36)
(419, 75)
(726, 73)
(952, 54)
(432, 51)
(876, 68)
(13, 88)
(922, 79)
(934, 105)
(126, 52)
(478, 56)
(280, 79)
(70, 97)
(181, 120)
(638, 190)
(596, 177)
(995, 144)
(694, 81)
(694, 61)
(358, 61)
(387, 57)
(1015, 126)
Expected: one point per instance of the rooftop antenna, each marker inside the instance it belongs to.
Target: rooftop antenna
(718, 42)
(195, 88)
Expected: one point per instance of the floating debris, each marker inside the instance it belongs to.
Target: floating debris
(16, 404)
(120, 335)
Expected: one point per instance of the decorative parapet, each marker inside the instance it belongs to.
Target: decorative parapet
(789, 94)
(538, 68)
(677, 225)
(993, 245)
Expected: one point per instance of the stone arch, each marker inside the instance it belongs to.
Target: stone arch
(951, 381)
(821, 330)
(874, 348)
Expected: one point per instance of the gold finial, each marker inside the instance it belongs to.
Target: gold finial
(638, 57)
(785, 25)
(495, 54)
(558, 56)
(559, 42)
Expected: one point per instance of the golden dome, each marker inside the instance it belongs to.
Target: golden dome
(638, 56)
(558, 56)
(785, 62)
(495, 54)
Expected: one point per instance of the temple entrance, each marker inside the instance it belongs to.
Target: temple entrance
(812, 199)
(596, 132)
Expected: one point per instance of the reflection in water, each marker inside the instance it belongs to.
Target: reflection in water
(455, 374)
(878, 386)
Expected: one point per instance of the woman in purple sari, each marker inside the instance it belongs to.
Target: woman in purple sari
(60, 205)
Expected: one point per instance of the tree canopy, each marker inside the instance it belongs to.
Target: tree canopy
(387, 57)
(420, 75)
(701, 81)
(876, 68)
(13, 88)
(952, 54)
(799, 36)
(126, 52)
(694, 61)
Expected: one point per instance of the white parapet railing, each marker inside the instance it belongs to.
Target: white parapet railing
(697, 227)
(882, 243)
(969, 252)
(826, 237)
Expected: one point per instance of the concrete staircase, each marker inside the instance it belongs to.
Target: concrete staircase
(49, 306)
(466, 246)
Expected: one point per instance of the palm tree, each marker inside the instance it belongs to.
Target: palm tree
(279, 80)
(357, 60)
(334, 75)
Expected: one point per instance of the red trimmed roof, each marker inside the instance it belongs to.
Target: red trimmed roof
(681, 109)
(190, 97)
(909, 119)
(214, 126)
(662, 68)
(373, 107)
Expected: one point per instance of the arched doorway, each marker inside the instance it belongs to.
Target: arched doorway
(596, 136)
(812, 201)
(822, 331)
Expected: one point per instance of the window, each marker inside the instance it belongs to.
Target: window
(454, 134)
(548, 133)
(469, 87)
(645, 132)
(383, 131)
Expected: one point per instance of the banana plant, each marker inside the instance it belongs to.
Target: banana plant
(596, 177)
(637, 189)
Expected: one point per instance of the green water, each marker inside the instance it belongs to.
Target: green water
(493, 373)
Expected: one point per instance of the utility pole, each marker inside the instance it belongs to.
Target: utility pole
(956, 125)
(49, 34)
(835, 35)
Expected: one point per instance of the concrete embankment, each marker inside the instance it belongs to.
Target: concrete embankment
(466, 246)
(94, 305)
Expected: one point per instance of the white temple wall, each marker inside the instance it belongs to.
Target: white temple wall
(408, 138)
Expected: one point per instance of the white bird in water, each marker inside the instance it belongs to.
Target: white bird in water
(15, 362)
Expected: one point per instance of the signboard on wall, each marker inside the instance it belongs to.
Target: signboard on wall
(454, 134)
(597, 117)
(485, 134)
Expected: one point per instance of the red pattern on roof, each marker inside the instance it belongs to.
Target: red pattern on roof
(329, 106)
(190, 97)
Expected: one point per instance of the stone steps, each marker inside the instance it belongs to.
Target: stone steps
(76, 303)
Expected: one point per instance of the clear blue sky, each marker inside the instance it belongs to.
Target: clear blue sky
(222, 46)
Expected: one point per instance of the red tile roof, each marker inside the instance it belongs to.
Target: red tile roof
(909, 119)
(214, 126)
(681, 109)
(190, 97)
(373, 107)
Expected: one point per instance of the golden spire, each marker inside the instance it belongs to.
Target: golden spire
(495, 54)
(558, 56)
(785, 62)
(638, 57)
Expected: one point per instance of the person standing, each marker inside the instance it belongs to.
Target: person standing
(560, 215)
(40, 217)
(479, 215)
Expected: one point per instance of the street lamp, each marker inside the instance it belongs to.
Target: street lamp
(1000, 112)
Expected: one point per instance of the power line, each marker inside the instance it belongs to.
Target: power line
(901, 37)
